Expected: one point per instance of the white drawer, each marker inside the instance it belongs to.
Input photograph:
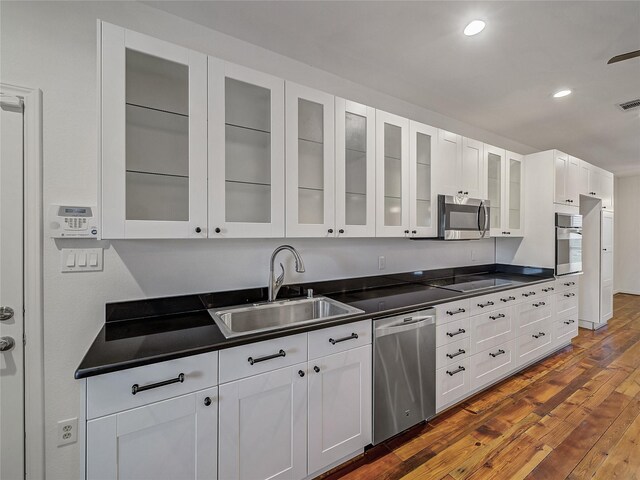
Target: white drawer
(535, 343)
(530, 293)
(567, 303)
(508, 298)
(566, 283)
(261, 357)
(113, 392)
(452, 332)
(530, 314)
(452, 383)
(548, 288)
(565, 329)
(452, 353)
(491, 329)
(488, 366)
(448, 312)
(485, 303)
(338, 339)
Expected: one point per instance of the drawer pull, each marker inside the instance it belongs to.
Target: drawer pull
(252, 360)
(353, 336)
(499, 352)
(550, 289)
(569, 295)
(454, 355)
(569, 322)
(495, 317)
(454, 312)
(453, 334)
(528, 294)
(539, 304)
(540, 334)
(135, 388)
(488, 304)
(508, 299)
(569, 284)
(457, 370)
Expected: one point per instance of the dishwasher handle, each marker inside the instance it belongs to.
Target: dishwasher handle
(405, 325)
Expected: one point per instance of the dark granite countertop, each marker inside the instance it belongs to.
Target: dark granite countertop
(147, 331)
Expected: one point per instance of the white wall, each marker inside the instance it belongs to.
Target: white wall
(626, 275)
(52, 46)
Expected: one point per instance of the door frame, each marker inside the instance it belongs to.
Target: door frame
(33, 293)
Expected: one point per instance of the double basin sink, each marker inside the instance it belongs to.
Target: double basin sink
(248, 319)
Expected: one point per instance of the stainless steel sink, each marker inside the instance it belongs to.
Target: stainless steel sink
(243, 319)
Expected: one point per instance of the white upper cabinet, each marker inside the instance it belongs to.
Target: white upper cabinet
(310, 162)
(153, 137)
(422, 198)
(504, 191)
(567, 179)
(355, 165)
(392, 175)
(459, 168)
(597, 183)
(246, 152)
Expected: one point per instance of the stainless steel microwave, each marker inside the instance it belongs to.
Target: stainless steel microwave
(462, 218)
(568, 244)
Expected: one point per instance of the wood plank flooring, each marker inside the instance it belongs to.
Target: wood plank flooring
(575, 415)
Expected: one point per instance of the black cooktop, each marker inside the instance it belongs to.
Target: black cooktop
(473, 283)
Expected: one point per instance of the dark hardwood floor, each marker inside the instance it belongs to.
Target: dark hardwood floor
(575, 415)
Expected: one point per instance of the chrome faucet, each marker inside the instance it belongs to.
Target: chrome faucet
(276, 283)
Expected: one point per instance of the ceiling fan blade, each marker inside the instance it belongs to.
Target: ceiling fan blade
(624, 56)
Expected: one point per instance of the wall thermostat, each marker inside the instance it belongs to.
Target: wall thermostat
(72, 222)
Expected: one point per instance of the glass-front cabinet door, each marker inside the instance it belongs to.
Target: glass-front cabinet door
(496, 193)
(515, 194)
(153, 137)
(392, 175)
(246, 152)
(423, 202)
(355, 170)
(310, 162)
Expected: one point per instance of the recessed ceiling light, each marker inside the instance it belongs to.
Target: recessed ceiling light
(562, 93)
(474, 28)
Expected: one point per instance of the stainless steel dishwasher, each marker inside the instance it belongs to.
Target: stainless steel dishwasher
(404, 372)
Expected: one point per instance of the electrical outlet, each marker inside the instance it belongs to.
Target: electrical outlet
(474, 256)
(382, 263)
(67, 431)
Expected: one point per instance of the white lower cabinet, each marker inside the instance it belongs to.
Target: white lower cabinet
(263, 426)
(339, 406)
(488, 366)
(452, 383)
(535, 343)
(171, 439)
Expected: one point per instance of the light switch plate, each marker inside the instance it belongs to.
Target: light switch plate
(70, 259)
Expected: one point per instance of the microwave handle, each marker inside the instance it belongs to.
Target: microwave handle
(483, 227)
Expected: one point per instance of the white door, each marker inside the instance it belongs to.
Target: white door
(446, 166)
(606, 267)
(174, 439)
(11, 291)
(392, 175)
(246, 152)
(310, 162)
(422, 199)
(339, 406)
(263, 426)
(153, 137)
(355, 169)
(473, 171)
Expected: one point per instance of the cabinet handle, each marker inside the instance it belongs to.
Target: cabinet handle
(499, 352)
(569, 322)
(341, 230)
(488, 304)
(569, 284)
(316, 369)
(301, 373)
(540, 334)
(460, 192)
(135, 388)
(495, 317)
(198, 229)
(207, 401)
(569, 295)
(353, 336)
(550, 289)
(539, 304)
(252, 360)
(414, 232)
(330, 230)
(406, 232)
(457, 370)
(453, 334)
(508, 299)
(217, 230)
(466, 193)
(528, 294)
(454, 355)
(454, 312)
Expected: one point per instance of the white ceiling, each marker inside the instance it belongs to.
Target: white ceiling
(500, 80)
